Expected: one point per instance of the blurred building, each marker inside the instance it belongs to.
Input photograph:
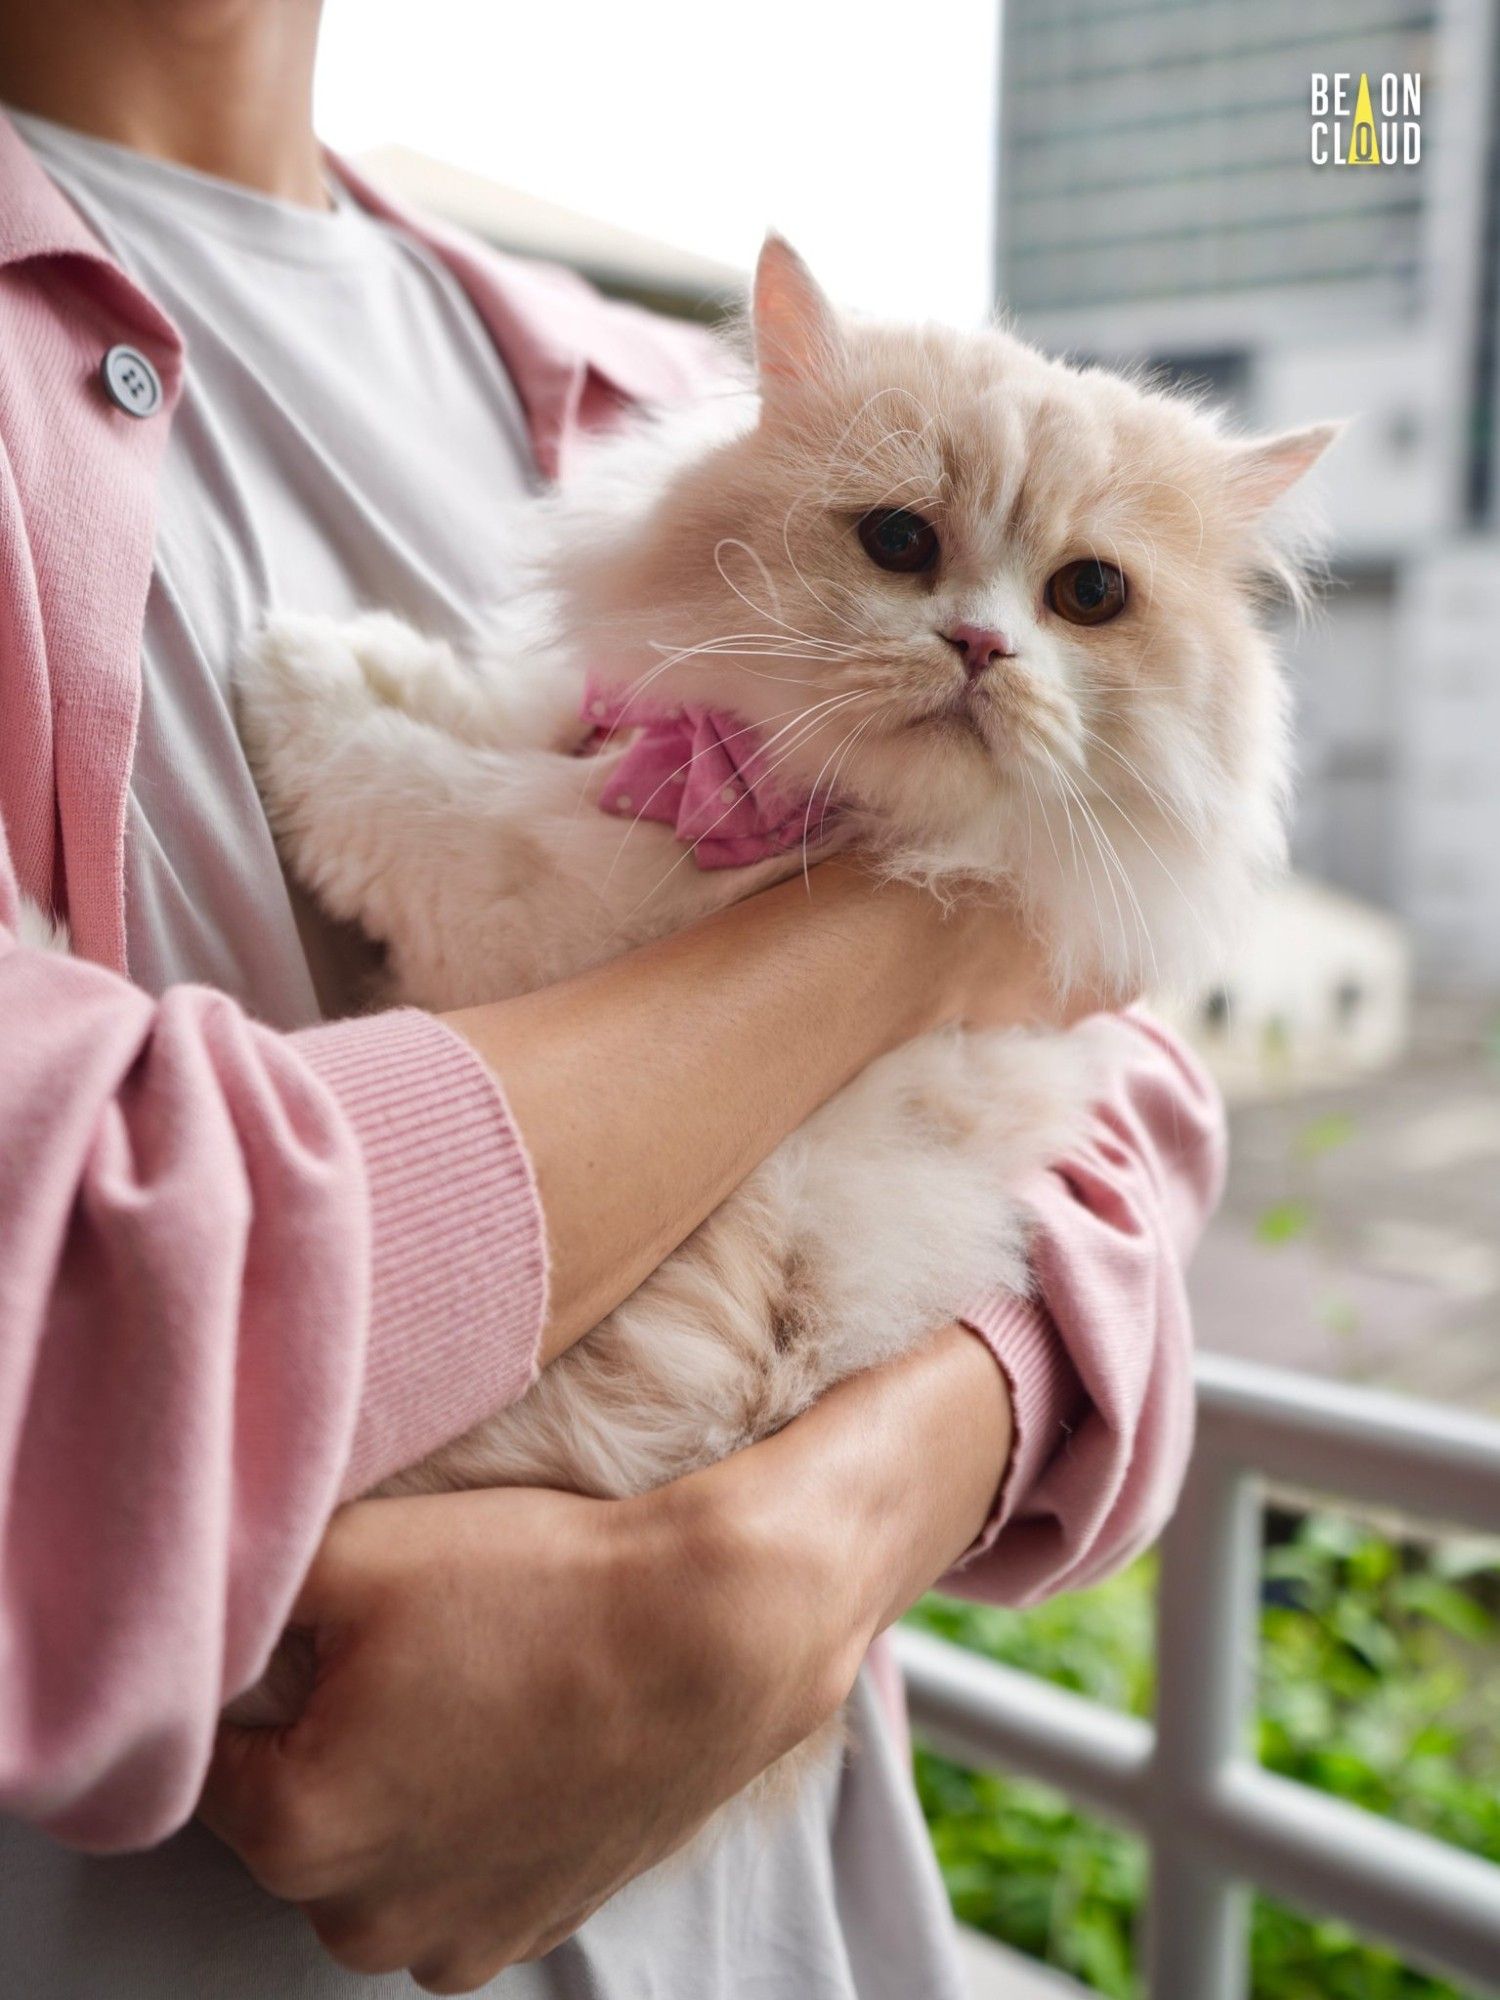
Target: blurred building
(1317, 996)
(1158, 199)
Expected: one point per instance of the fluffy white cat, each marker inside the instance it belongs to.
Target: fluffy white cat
(1003, 611)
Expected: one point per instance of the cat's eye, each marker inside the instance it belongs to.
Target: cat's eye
(895, 539)
(1087, 592)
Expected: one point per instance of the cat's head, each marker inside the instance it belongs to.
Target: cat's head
(1005, 607)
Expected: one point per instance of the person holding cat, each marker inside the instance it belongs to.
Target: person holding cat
(259, 1250)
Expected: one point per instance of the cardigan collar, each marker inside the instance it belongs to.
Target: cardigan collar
(38, 222)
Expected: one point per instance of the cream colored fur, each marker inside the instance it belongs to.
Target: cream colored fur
(1125, 782)
(40, 931)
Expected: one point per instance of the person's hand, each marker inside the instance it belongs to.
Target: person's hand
(1004, 973)
(986, 968)
(522, 1700)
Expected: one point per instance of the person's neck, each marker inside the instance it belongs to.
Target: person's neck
(223, 86)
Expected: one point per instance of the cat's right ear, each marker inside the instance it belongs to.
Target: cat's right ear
(796, 329)
(1262, 469)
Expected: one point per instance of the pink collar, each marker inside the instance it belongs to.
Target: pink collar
(706, 775)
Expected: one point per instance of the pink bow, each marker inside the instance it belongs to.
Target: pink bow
(704, 774)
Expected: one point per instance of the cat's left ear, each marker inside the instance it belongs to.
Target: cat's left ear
(1262, 469)
(796, 329)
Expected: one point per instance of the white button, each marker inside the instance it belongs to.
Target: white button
(623, 802)
(729, 795)
(130, 382)
(599, 708)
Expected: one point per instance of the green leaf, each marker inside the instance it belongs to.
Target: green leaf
(1455, 1610)
(1283, 1222)
(1325, 1135)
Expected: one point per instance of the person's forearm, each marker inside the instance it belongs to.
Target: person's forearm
(646, 1090)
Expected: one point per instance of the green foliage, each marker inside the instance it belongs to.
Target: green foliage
(1021, 1864)
(1099, 1643)
(1283, 1222)
(1379, 1683)
(1297, 1215)
(1325, 1135)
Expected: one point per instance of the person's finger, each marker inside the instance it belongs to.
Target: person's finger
(270, 1807)
(242, 1766)
(449, 1973)
(372, 1939)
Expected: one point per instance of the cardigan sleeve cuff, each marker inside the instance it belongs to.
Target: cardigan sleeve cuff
(1046, 1395)
(458, 1258)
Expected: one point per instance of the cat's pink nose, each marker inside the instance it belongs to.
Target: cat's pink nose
(981, 646)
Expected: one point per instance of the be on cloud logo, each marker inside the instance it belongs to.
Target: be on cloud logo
(1346, 130)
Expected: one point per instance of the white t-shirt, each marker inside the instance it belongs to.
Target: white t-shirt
(348, 438)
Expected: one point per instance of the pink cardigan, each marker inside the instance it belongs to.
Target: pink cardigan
(244, 1274)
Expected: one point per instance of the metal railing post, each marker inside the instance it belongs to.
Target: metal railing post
(1197, 1917)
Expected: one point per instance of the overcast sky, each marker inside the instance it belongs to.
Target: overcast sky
(863, 129)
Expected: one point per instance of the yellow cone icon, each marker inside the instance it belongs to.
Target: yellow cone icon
(1364, 141)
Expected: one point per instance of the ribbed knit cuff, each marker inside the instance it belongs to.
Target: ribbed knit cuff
(458, 1260)
(1046, 1395)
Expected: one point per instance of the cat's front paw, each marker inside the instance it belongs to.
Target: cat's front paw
(294, 664)
(299, 690)
(353, 666)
